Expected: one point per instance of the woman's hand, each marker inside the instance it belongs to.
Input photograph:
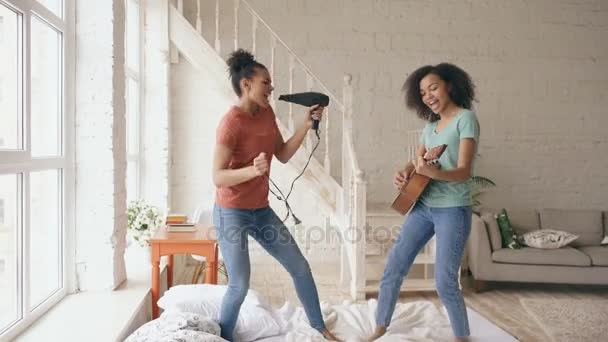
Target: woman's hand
(400, 179)
(426, 168)
(314, 113)
(402, 176)
(260, 165)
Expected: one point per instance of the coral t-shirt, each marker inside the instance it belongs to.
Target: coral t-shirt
(247, 136)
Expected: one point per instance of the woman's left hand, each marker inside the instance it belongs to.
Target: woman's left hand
(426, 168)
(314, 113)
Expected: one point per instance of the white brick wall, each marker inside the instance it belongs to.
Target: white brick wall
(101, 154)
(541, 70)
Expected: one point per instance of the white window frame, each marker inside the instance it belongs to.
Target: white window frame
(138, 77)
(21, 161)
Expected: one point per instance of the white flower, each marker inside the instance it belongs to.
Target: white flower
(143, 221)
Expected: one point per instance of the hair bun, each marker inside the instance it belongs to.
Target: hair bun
(239, 59)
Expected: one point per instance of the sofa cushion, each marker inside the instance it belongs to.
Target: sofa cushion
(598, 254)
(587, 224)
(566, 256)
(492, 228)
(524, 220)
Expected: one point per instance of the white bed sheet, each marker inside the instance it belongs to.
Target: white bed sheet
(415, 321)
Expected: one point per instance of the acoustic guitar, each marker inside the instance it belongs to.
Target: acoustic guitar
(411, 191)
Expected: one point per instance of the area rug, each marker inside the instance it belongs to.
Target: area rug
(570, 319)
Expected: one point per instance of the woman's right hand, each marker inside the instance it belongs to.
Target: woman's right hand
(260, 165)
(400, 179)
(402, 176)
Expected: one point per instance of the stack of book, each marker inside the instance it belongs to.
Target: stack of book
(179, 223)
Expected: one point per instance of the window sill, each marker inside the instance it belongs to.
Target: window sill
(99, 315)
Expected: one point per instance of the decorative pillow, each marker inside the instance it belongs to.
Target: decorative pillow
(178, 327)
(548, 238)
(256, 319)
(509, 239)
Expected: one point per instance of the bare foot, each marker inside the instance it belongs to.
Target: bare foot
(329, 336)
(377, 334)
(461, 339)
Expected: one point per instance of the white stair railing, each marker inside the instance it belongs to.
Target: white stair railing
(352, 209)
(354, 201)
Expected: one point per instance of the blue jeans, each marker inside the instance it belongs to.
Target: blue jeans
(233, 226)
(452, 227)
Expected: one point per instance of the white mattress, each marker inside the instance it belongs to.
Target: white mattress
(416, 321)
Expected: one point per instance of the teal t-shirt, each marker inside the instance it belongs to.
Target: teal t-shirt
(444, 194)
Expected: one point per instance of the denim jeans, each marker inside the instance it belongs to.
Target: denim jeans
(233, 226)
(452, 227)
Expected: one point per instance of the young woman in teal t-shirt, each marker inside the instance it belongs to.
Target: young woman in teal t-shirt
(442, 95)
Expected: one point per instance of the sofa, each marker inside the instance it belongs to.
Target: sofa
(583, 261)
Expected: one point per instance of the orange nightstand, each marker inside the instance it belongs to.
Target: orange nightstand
(201, 242)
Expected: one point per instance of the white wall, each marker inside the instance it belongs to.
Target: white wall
(541, 70)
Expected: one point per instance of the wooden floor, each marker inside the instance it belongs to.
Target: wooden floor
(500, 303)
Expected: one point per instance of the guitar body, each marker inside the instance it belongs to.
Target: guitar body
(410, 193)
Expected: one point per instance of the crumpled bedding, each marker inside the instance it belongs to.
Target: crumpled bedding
(178, 327)
(416, 321)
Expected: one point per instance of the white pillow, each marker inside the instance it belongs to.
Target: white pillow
(256, 319)
(548, 238)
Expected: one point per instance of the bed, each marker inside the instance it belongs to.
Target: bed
(258, 321)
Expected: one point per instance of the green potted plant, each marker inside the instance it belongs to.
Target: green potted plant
(478, 183)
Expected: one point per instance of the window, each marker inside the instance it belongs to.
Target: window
(55, 6)
(33, 160)
(10, 310)
(46, 71)
(11, 114)
(133, 67)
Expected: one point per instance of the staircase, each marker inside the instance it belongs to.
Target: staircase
(334, 172)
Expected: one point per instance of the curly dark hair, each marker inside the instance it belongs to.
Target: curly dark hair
(461, 88)
(241, 64)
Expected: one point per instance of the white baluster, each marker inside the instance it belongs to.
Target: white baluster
(199, 22)
(347, 94)
(361, 218)
(236, 23)
(273, 48)
(254, 31)
(347, 100)
(292, 67)
(217, 27)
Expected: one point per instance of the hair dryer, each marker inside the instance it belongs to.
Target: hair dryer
(307, 99)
